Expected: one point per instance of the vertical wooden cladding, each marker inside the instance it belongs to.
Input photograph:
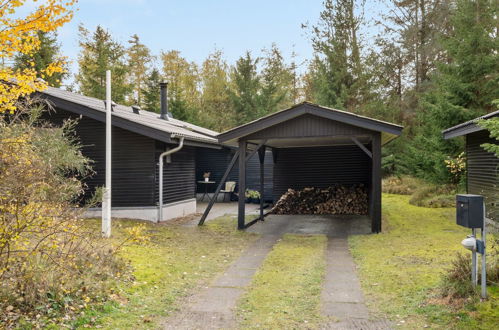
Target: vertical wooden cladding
(483, 172)
(178, 175)
(132, 162)
(306, 126)
(216, 162)
(298, 168)
(135, 164)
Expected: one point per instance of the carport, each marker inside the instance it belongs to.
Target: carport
(313, 146)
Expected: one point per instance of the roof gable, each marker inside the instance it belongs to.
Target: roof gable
(285, 117)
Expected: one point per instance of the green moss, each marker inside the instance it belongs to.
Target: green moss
(400, 267)
(285, 292)
(176, 260)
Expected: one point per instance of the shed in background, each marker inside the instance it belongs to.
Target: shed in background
(482, 175)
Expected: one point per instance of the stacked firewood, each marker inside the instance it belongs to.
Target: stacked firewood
(336, 199)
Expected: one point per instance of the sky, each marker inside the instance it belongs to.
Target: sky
(196, 28)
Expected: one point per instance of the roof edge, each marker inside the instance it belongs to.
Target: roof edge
(314, 109)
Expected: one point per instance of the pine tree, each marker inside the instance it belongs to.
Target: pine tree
(99, 52)
(150, 91)
(48, 52)
(245, 88)
(139, 59)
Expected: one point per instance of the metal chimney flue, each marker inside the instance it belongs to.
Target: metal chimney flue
(163, 86)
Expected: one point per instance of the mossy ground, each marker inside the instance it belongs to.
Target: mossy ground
(176, 260)
(401, 267)
(285, 292)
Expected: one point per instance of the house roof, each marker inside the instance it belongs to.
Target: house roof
(467, 127)
(145, 122)
(388, 130)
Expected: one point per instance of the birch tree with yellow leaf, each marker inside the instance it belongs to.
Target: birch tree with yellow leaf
(20, 35)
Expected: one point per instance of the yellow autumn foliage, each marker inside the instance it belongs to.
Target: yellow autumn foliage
(18, 35)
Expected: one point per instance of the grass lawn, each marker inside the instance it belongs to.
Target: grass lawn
(401, 267)
(285, 292)
(175, 261)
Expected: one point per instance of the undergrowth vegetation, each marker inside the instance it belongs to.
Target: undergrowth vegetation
(410, 274)
(422, 193)
(51, 264)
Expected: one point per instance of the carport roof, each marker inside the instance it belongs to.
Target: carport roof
(388, 130)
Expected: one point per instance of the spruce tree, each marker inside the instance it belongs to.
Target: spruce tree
(99, 52)
(245, 89)
(183, 80)
(464, 87)
(150, 91)
(276, 82)
(48, 52)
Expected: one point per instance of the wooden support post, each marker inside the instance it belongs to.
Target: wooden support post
(220, 185)
(376, 184)
(261, 155)
(242, 185)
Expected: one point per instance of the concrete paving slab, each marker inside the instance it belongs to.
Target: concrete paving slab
(216, 300)
(220, 298)
(346, 310)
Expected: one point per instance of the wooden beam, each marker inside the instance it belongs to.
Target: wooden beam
(256, 149)
(376, 184)
(242, 185)
(361, 146)
(220, 185)
(261, 156)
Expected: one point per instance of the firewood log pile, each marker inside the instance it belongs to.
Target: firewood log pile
(337, 199)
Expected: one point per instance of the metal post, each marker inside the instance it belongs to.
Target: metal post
(484, 268)
(474, 266)
(242, 185)
(106, 203)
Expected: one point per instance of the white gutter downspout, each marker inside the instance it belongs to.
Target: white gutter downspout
(166, 153)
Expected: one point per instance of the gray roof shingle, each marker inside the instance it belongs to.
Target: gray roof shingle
(146, 118)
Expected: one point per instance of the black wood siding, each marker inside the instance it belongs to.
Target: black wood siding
(216, 162)
(483, 171)
(178, 175)
(135, 164)
(298, 168)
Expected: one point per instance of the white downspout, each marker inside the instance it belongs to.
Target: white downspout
(166, 153)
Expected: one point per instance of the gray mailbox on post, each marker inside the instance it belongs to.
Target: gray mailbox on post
(469, 210)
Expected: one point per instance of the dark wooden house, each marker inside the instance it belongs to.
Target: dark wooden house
(482, 167)
(139, 137)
